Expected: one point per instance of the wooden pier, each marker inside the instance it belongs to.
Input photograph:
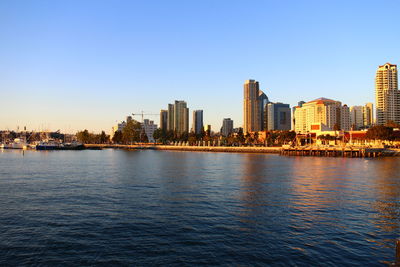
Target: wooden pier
(334, 152)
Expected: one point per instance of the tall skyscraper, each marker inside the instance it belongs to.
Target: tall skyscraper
(181, 117)
(251, 107)
(197, 121)
(164, 120)
(279, 117)
(227, 127)
(170, 118)
(263, 101)
(387, 96)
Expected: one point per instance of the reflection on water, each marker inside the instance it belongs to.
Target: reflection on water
(116, 207)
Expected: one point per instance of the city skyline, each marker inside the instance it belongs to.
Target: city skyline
(72, 66)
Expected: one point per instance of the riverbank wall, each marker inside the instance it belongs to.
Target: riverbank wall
(275, 150)
(296, 151)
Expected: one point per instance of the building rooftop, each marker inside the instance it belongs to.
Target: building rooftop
(387, 64)
(321, 100)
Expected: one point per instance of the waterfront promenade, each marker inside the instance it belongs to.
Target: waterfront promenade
(287, 151)
(275, 150)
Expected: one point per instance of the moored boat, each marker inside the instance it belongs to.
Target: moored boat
(18, 143)
(50, 145)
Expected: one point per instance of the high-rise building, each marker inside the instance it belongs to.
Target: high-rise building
(251, 107)
(345, 120)
(279, 117)
(170, 118)
(387, 96)
(299, 105)
(181, 117)
(263, 102)
(356, 117)
(197, 121)
(320, 114)
(368, 115)
(227, 127)
(164, 119)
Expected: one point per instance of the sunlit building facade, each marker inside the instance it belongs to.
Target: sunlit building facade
(321, 114)
(255, 108)
(357, 117)
(181, 117)
(170, 117)
(368, 115)
(387, 96)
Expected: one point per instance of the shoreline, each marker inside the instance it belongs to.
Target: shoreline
(274, 150)
(265, 150)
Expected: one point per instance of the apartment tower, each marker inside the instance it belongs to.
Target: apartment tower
(197, 121)
(227, 127)
(164, 120)
(181, 117)
(251, 107)
(387, 96)
(170, 117)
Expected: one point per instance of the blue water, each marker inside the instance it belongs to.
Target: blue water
(116, 207)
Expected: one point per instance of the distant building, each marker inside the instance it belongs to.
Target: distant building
(170, 119)
(357, 117)
(251, 107)
(321, 114)
(263, 102)
(299, 105)
(149, 127)
(387, 95)
(207, 129)
(227, 127)
(181, 117)
(255, 107)
(345, 120)
(279, 117)
(118, 127)
(164, 120)
(197, 121)
(368, 115)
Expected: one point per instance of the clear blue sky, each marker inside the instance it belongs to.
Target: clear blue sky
(72, 65)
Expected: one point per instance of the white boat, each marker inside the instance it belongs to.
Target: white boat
(17, 144)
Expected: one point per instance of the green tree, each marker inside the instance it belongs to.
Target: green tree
(131, 132)
(159, 135)
(83, 136)
(143, 137)
(117, 138)
(380, 132)
(104, 138)
(392, 124)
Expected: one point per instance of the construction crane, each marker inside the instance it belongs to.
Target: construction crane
(142, 114)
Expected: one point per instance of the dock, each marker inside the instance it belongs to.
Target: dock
(338, 152)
